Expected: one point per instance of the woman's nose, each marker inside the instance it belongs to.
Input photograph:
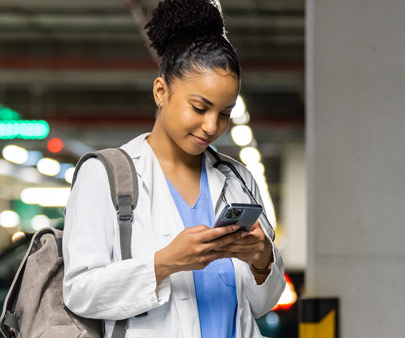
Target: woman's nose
(210, 124)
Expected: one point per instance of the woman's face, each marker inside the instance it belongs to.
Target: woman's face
(196, 109)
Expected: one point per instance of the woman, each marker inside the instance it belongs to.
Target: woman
(192, 280)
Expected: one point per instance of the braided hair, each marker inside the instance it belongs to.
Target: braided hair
(189, 36)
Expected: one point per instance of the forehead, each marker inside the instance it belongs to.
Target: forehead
(212, 84)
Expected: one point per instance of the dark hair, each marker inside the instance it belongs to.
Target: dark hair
(189, 35)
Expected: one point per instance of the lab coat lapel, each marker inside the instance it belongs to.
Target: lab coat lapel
(167, 224)
(216, 182)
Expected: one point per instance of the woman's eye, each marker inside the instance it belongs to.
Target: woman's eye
(228, 115)
(198, 110)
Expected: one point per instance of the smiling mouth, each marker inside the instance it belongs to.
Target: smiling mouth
(202, 139)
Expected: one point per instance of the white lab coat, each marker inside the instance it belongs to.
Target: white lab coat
(97, 284)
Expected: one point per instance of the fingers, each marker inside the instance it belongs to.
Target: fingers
(225, 240)
(239, 248)
(214, 233)
(196, 229)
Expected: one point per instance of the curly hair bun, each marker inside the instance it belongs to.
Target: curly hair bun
(173, 18)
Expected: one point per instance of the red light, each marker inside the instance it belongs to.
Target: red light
(55, 145)
(288, 298)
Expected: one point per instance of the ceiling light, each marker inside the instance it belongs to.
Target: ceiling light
(250, 155)
(69, 174)
(243, 119)
(242, 135)
(40, 221)
(48, 166)
(239, 108)
(15, 154)
(9, 219)
(46, 197)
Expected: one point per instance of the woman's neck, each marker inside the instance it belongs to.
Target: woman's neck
(169, 154)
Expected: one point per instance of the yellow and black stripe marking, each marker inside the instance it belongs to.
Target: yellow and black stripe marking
(318, 318)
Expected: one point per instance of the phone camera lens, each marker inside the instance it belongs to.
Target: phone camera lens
(229, 214)
(238, 212)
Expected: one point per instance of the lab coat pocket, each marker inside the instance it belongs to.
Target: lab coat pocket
(140, 333)
(226, 272)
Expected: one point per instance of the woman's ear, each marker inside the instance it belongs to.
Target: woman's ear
(160, 91)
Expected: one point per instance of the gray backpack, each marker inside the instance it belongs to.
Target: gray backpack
(34, 305)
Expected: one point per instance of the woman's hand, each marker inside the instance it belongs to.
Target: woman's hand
(194, 248)
(253, 248)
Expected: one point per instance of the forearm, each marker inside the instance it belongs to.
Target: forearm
(119, 290)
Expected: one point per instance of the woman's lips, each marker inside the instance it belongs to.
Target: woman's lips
(201, 140)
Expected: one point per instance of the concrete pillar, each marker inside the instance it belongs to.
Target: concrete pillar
(293, 208)
(356, 161)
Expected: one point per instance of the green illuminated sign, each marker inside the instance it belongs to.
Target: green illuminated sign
(24, 129)
(8, 114)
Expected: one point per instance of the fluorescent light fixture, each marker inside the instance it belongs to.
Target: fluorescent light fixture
(15, 154)
(242, 135)
(46, 197)
(9, 219)
(48, 166)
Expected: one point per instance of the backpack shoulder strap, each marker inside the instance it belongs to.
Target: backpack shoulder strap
(123, 181)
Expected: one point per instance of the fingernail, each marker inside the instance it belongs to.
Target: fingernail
(244, 234)
(235, 227)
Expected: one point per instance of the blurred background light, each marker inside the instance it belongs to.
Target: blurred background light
(17, 236)
(69, 174)
(242, 135)
(40, 221)
(8, 114)
(24, 129)
(256, 168)
(46, 197)
(33, 158)
(55, 145)
(63, 168)
(288, 297)
(239, 108)
(250, 155)
(272, 319)
(15, 154)
(48, 166)
(243, 119)
(9, 219)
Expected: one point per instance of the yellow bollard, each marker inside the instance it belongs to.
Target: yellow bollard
(318, 318)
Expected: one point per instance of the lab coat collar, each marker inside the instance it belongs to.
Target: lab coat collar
(144, 158)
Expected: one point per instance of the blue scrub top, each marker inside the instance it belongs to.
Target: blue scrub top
(215, 285)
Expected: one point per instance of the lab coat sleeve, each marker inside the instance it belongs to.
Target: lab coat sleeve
(94, 286)
(262, 298)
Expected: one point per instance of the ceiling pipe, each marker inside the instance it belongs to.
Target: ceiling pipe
(139, 17)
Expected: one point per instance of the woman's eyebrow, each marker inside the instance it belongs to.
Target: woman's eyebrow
(208, 101)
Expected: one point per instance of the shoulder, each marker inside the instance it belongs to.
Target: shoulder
(92, 171)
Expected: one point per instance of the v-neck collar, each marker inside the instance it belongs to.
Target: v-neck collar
(203, 176)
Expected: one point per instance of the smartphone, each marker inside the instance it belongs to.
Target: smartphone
(244, 215)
